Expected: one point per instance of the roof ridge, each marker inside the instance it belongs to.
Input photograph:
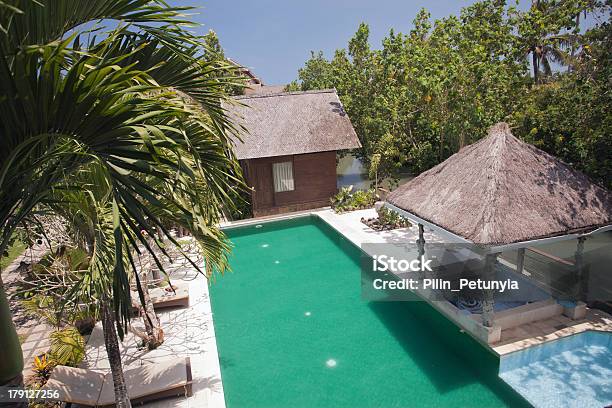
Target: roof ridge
(291, 93)
(498, 139)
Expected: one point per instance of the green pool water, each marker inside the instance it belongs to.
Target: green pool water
(293, 331)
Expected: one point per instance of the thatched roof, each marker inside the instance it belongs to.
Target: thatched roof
(290, 123)
(264, 89)
(501, 190)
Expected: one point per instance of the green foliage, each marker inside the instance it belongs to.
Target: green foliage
(41, 306)
(347, 200)
(45, 293)
(214, 54)
(374, 168)
(392, 219)
(570, 117)
(426, 93)
(549, 33)
(242, 205)
(42, 366)
(67, 347)
(342, 197)
(316, 74)
(15, 249)
(363, 199)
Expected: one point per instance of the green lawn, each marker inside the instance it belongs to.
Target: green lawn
(13, 252)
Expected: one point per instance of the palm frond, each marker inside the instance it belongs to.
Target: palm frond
(43, 21)
(122, 135)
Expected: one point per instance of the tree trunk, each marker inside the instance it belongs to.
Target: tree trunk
(114, 357)
(534, 59)
(11, 357)
(155, 333)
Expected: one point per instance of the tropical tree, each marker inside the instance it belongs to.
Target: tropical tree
(570, 117)
(128, 105)
(422, 95)
(549, 32)
(214, 54)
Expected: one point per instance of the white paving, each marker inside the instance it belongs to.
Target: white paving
(189, 332)
(350, 226)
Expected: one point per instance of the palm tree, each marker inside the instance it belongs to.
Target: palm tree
(132, 108)
(552, 50)
(542, 33)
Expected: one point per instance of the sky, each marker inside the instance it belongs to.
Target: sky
(274, 37)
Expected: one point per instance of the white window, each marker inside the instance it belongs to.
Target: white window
(283, 176)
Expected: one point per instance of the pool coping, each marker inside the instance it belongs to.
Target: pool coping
(510, 353)
(269, 218)
(595, 320)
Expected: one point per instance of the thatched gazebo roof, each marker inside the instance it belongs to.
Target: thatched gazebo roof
(501, 190)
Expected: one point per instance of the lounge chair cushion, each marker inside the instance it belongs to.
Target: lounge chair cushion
(77, 385)
(144, 383)
(162, 298)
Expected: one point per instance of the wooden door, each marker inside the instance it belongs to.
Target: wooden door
(264, 186)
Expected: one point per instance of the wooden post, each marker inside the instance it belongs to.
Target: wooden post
(421, 246)
(488, 303)
(520, 260)
(421, 241)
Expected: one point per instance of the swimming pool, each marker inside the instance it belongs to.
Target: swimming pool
(575, 371)
(293, 331)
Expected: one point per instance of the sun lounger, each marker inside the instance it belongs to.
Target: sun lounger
(149, 382)
(163, 298)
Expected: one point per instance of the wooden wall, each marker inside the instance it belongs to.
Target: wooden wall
(314, 177)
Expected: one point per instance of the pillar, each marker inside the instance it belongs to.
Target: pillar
(520, 260)
(580, 270)
(421, 247)
(488, 301)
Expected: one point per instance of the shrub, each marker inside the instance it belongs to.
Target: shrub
(67, 347)
(387, 220)
(341, 199)
(42, 367)
(44, 293)
(347, 200)
(392, 218)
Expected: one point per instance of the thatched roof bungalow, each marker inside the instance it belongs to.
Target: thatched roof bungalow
(288, 153)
